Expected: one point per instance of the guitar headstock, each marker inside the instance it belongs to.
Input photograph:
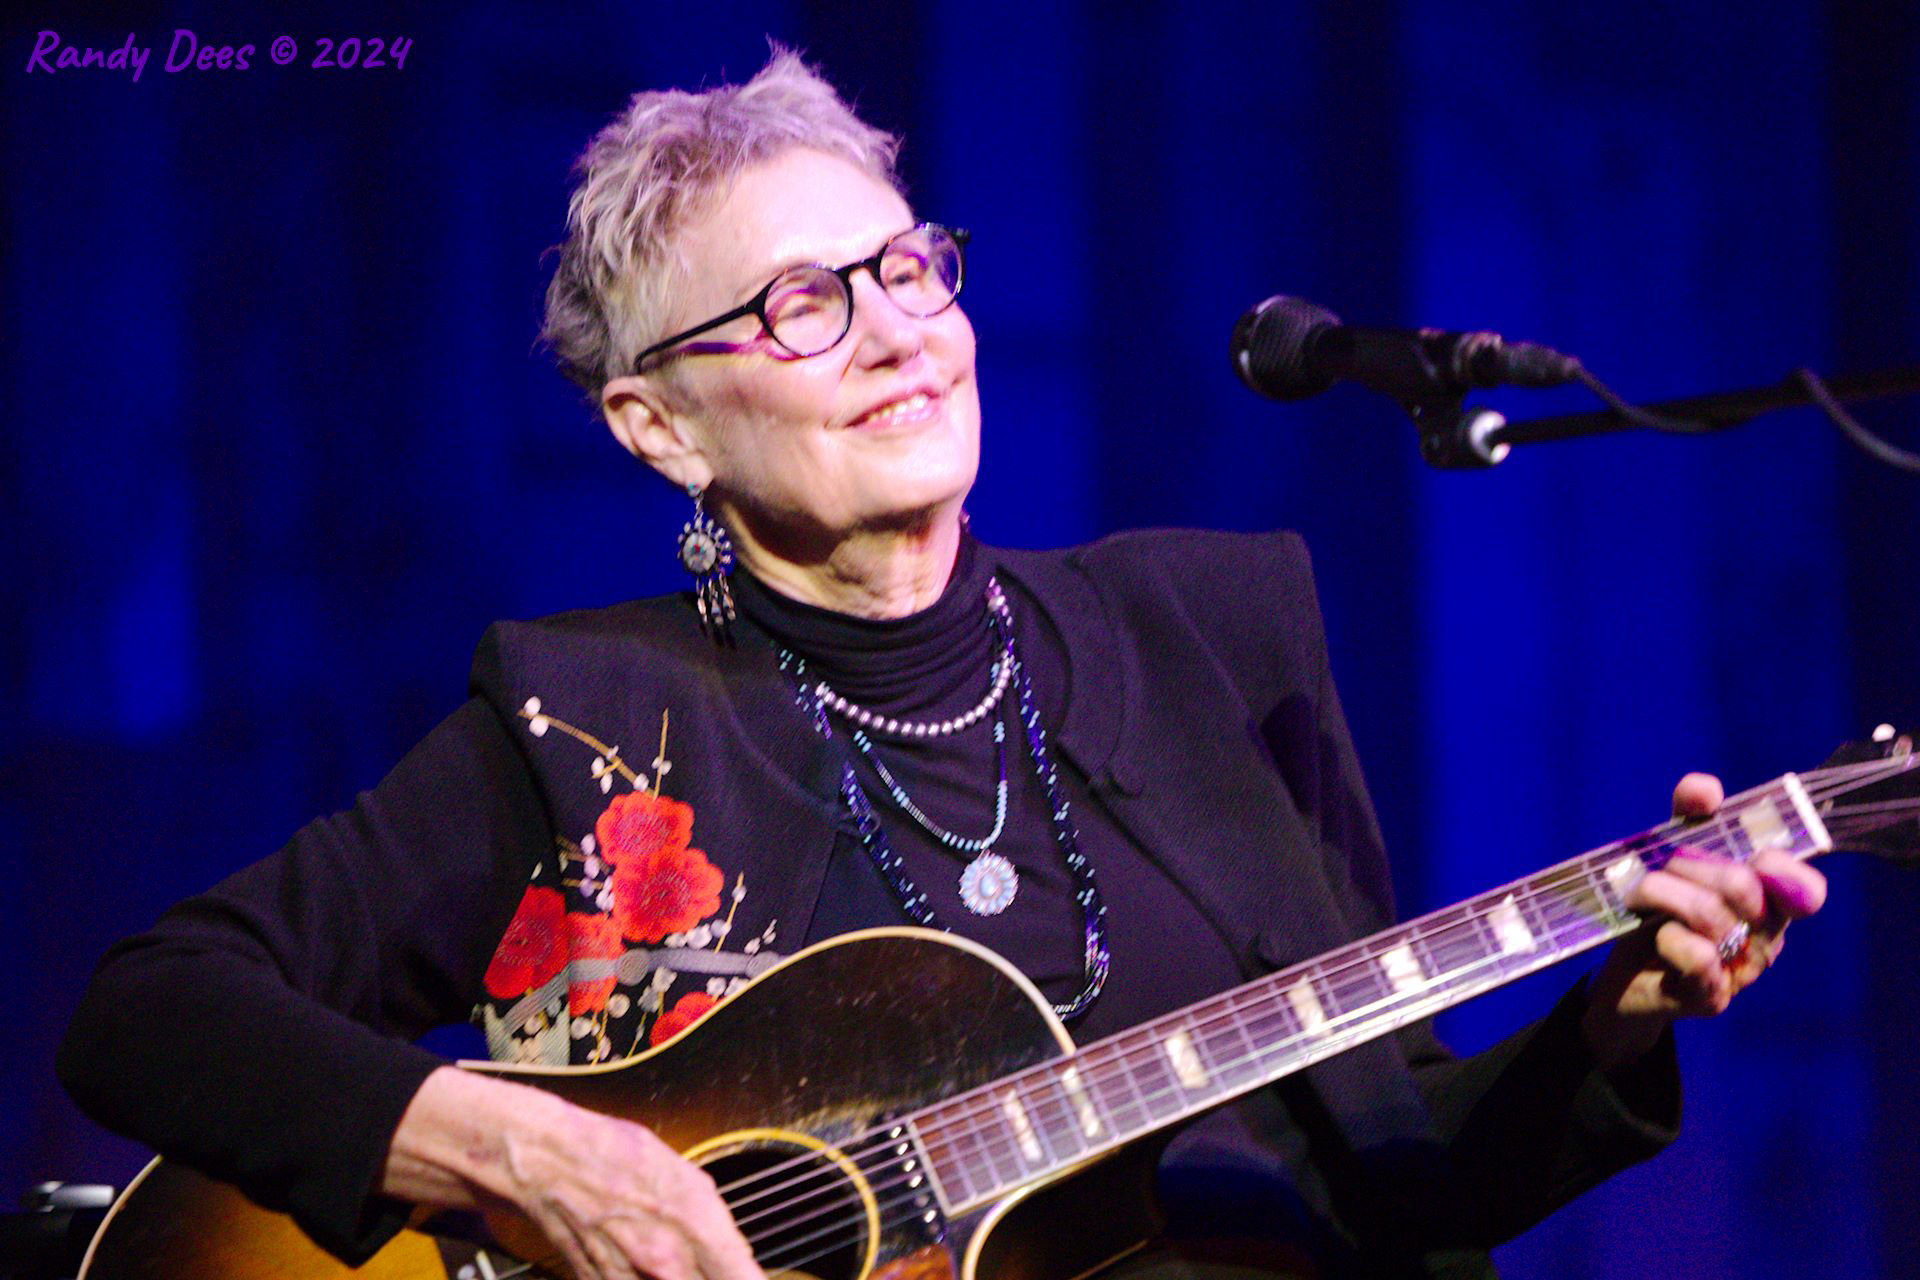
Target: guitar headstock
(1868, 794)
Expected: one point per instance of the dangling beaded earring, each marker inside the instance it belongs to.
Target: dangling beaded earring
(707, 553)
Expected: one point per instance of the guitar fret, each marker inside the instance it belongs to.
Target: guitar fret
(1571, 911)
(1053, 1114)
(988, 1147)
(1622, 873)
(1119, 1092)
(1420, 941)
(1611, 900)
(964, 1138)
(1458, 945)
(1354, 985)
(1026, 1138)
(1736, 837)
(1764, 826)
(1235, 1056)
(938, 1140)
(1002, 1145)
(1403, 971)
(1537, 922)
(1308, 1008)
(1153, 1077)
(1087, 1106)
(1502, 935)
(1271, 1022)
(1182, 1057)
(1215, 1047)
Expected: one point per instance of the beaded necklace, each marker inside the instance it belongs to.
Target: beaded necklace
(958, 843)
(913, 899)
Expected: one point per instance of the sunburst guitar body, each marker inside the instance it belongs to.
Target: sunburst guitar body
(782, 1093)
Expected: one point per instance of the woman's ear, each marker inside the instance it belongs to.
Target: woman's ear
(649, 427)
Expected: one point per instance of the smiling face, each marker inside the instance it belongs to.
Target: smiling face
(880, 433)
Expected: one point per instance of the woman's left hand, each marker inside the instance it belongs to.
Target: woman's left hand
(1674, 968)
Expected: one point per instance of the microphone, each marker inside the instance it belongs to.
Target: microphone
(1289, 349)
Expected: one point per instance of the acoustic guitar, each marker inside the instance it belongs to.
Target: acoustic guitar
(982, 1144)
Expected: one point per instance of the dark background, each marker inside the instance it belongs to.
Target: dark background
(278, 445)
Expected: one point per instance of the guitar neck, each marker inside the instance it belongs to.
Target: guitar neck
(1023, 1128)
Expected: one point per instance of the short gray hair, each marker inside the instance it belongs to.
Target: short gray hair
(661, 163)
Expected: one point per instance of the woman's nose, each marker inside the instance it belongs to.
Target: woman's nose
(885, 332)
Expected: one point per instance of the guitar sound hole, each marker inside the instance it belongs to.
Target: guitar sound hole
(805, 1217)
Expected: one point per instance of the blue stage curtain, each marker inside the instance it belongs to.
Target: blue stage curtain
(278, 444)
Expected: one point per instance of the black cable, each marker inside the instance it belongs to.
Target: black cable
(1637, 416)
(1870, 444)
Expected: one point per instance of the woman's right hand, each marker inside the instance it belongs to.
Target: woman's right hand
(615, 1201)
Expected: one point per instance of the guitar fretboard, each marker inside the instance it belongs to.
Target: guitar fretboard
(992, 1140)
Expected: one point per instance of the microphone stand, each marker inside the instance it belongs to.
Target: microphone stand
(1455, 436)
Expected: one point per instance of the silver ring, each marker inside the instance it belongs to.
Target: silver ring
(1734, 945)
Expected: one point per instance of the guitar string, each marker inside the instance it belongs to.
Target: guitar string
(1124, 1059)
(1548, 888)
(1568, 873)
(1544, 887)
(1882, 806)
(1240, 1001)
(998, 1147)
(883, 1136)
(1100, 1069)
(1148, 1101)
(1328, 1049)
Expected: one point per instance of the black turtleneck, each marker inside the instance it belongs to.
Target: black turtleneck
(932, 665)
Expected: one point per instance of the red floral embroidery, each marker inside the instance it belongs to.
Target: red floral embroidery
(660, 884)
(640, 824)
(534, 948)
(592, 938)
(686, 1011)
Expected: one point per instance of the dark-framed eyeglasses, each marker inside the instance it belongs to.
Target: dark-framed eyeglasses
(807, 310)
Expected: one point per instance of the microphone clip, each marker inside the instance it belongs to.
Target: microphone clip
(1456, 436)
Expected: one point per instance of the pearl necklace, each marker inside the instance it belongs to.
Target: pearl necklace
(1098, 956)
(1002, 674)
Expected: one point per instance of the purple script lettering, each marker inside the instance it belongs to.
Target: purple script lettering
(128, 57)
(173, 50)
(45, 41)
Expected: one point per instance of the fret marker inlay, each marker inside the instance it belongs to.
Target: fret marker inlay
(1185, 1061)
(1623, 874)
(1082, 1104)
(1763, 826)
(1306, 1005)
(1022, 1127)
(1403, 970)
(1509, 928)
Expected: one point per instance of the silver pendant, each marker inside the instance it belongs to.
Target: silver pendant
(988, 884)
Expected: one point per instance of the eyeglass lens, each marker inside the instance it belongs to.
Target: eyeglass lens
(809, 309)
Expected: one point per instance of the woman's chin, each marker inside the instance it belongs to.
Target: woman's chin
(915, 507)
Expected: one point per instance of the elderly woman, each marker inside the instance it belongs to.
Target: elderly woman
(1122, 767)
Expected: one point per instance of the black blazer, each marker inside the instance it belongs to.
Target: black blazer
(259, 1030)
